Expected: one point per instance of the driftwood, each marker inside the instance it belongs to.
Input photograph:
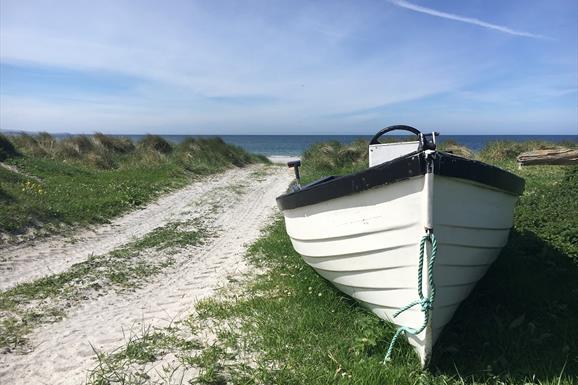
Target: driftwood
(549, 156)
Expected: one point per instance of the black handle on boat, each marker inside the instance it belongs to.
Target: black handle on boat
(424, 143)
(385, 130)
(295, 164)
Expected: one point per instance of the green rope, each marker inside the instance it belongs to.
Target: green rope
(426, 303)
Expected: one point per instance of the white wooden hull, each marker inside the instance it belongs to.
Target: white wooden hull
(367, 245)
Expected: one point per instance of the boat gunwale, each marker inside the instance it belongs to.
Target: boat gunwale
(397, 170)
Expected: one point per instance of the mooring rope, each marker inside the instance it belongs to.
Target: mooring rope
(426, 303)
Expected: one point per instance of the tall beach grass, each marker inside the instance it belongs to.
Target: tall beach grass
(90, 179)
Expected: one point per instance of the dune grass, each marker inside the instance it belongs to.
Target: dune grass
(518, 326)
(90, 179)
(7, 149)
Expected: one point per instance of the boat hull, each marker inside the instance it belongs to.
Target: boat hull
(367, 244)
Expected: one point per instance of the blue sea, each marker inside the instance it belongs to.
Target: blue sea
(294, 145)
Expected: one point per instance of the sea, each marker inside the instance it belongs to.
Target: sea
(294, 145)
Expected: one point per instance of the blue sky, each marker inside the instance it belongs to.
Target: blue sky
(277, 67)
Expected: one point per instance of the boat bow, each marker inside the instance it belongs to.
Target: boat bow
(376, 234)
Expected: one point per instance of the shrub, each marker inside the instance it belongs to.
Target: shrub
(46, 141)
(114, 144)
(155, 143)
(7, 149)
(75, 146)
(28, 145)
(211, 154)
(328, 157)
(356, 153)
(101, 159)
(455, 148)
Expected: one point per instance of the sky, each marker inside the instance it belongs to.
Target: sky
(289, 67)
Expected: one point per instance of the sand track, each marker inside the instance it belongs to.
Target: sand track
(33, 260)
(62, 351)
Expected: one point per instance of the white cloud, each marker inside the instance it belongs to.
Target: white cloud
(464, 19)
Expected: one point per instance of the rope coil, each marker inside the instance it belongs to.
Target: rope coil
(426, 303)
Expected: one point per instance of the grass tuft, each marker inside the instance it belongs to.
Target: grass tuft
(28, 145)
(133, 363)
(334, 158)
(455, 148)
(155, 143)
(114, 144)
(7, 149)
(202, 155)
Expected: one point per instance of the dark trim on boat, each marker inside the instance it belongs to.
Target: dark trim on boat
(457, 167)
(408, 166)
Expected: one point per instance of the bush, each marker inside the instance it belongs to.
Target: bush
(102, 160)
(46, 141)
(155, 143)
(114, 144)
(208, 155)
(335, 158)
(7, 149)
(75, 146)
(455, 148)
(28, 145)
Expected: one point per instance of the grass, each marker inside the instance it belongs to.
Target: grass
(518, 326)
(47, 300)
(131, 364)
(100, 176)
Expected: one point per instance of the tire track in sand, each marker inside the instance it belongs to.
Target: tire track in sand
(63, 352)
(30, 261)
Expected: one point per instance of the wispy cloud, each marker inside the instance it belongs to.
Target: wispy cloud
(464, 19)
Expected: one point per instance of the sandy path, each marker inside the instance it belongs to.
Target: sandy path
(31, 261)
(63, 354)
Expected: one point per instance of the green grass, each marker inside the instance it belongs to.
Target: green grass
(81, 180)
(518, 326)
(73, 193)
(130, 364)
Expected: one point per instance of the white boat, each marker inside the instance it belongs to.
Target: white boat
(363, 231)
